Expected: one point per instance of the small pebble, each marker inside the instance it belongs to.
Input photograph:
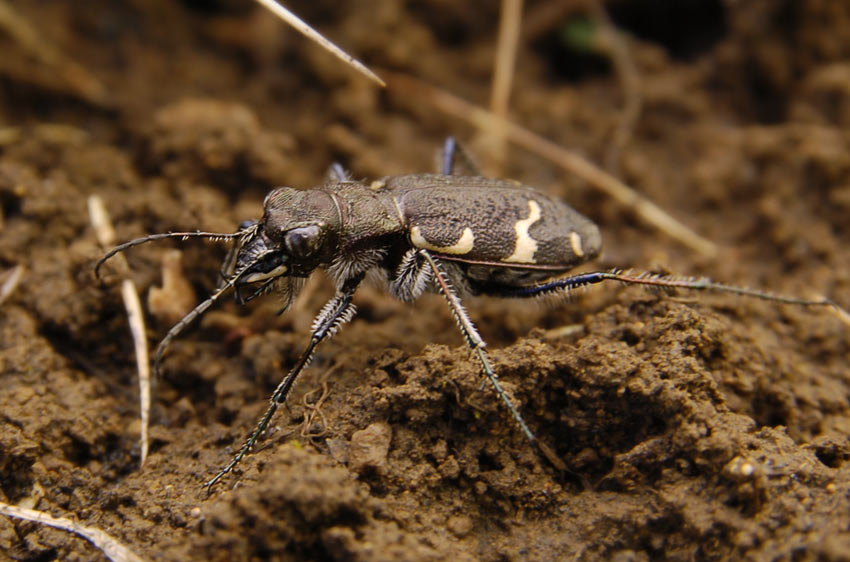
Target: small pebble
(369, 448)
(459, 525)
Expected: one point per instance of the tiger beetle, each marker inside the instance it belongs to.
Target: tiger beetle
(458, 235)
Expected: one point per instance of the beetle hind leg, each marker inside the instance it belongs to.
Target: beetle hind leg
(477, 344)
(564, 285)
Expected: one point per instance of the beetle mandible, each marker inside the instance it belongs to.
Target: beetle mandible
(458, 235)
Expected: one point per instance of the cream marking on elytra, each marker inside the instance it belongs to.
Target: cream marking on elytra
(575, 242)
(462, 246)
(526, 246)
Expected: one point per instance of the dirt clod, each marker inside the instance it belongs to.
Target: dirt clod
(175, 298)
(369, 448)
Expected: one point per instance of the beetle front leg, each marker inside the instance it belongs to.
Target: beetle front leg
(477, 344)
(333, 315)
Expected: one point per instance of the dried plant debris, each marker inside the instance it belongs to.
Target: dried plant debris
(110, 546)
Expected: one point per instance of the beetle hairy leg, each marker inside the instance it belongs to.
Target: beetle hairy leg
(333, 315)
(477, 344)
(567, 284)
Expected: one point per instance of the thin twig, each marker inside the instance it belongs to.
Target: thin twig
(614, 43)
(842, 314)
(840, 311)
(76, 76)
(110, 546)
(9, 285)
(99, 218)
(310, 33)
(503, 75)
(569, 161)
(140, 343)
(105, 234)
(566, 331)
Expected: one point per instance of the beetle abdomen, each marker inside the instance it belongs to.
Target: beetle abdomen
(493, 222)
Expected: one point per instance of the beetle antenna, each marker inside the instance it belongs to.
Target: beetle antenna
(214, 236)
(178, 328)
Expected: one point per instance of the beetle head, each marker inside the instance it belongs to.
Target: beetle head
(294, 237)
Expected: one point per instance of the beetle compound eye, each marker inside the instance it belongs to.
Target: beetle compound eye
(302, 242)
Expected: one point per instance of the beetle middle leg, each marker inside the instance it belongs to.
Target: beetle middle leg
(452, 151)
(336, 172)
(477, 344)
(333, 315)
(412, 277)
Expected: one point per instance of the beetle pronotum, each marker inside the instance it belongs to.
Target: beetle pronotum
(456, 234)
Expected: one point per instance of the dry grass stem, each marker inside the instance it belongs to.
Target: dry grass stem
(140, 343)
(842, 313)
(614, 43)
(566, 331)
(503, 75)
(77, 77)
(105, 234)
(110, 546)
(11, 282)
(102, 225)
(479, 117)
(311, 33)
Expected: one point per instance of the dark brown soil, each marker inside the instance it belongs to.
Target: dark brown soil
(698, 428)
